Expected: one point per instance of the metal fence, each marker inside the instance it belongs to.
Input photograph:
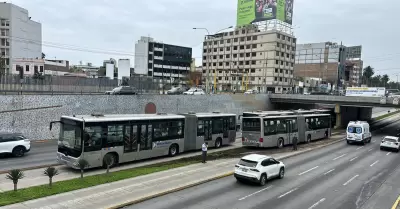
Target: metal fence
(12, 84)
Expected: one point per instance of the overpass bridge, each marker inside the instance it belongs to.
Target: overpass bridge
(346, 108)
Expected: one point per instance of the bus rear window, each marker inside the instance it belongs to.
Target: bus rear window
(248, 163)
(251, 124)
(354, 130)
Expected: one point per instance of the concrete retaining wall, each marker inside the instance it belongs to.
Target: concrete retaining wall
(31, 114)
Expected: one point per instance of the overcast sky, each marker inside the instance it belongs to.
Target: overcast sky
(112, 27)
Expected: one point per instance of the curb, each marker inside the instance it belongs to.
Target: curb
(396, 203)
(32, 168)
(211, 179)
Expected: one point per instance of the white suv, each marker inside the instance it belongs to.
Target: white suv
(258, 168)
(390, 142)
(14, 143)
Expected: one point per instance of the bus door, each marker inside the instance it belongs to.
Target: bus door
(130, 142)
(207, 130)
(225, 127)
(145, 141)
(289, 134)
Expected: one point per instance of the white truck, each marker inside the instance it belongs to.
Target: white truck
(358, 132)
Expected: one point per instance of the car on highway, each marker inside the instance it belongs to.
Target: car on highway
(251, 91)
(123, 90)
(358, 132)
(194, 91)
(390, 143)
(175, 91)
(258, 168)
(14, 143)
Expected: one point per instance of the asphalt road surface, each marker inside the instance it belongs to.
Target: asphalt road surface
(40, 154)
(335, 177)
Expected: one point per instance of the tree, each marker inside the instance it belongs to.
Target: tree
(384, 80)
(82, 164)
(15, 175)
(368, 72)
(51, 172)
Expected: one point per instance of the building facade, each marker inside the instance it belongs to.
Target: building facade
(20, 37)
(250, 58)
(321, 60)
(165, 62)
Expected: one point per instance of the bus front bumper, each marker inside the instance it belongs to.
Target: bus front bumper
(67, 160)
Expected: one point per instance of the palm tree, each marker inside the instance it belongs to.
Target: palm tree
(108, 160)
(51, 172)
(82, 164)
(385, 79)
(15, 175)
(368, 72)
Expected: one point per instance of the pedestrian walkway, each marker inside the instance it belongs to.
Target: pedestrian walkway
(116, 193)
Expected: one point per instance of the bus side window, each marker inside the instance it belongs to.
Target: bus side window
(200, 128)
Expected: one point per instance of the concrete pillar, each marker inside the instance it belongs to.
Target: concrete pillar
(365, 113)
(338, 117)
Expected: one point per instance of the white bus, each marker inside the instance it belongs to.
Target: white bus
(278, 131)
(133, 137)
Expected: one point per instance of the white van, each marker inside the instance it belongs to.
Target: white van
(358, 132)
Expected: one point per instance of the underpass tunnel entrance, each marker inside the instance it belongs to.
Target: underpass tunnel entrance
(349, 113)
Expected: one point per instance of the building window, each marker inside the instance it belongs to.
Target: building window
(291, 64)
(215, 49)
(241, 47)
(286, 72)
(247, 62)
(221, 42)
(241, 54)
(228, 56)
(228, 48)
(252, 78)
(228, 41)
(288, 47)
(283, 37)
(249, 38)
(282, 63)
(276, 79)
(27, 68)
(215, 42)
(277, 45)
(240, 62)
(221, 56)
(285, 79)
(288, 38)
(243, 31)
(220, 64)
(253, 62)
(227, 63)
(282, 54)
(253, 54)
(247, 54)
(287, 63)
(277, 62)
(234, 55)
(242, 39)
(280, 71)
(253, 70)
(277, 54)
(215, 57)
(276, 70)
(231, 33)
(236, 32)
(278, 35)
(280, 79)
(287, 55)
(235, 40)
(235, 48)
(214, 64)
(248, 46)
(254, 46)
(254, 38)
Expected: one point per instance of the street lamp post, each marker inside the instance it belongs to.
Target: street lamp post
(207, 64)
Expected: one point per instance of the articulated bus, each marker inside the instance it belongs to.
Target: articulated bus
(127, 138)
(278, 131)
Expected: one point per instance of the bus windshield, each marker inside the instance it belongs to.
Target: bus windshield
(70, 135)
(251, 124)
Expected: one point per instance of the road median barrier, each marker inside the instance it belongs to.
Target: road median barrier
(396, 203)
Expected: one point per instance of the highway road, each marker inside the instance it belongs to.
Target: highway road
(335, 177)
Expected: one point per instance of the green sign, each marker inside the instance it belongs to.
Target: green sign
(250, 11)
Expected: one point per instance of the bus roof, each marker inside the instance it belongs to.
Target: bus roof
(122, 117)
(294, 116)
(210, 115)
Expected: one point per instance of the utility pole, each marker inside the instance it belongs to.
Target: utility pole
(342, 64)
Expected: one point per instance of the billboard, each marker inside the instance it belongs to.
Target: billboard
(250, 11)
(365, 91)
(353, 52)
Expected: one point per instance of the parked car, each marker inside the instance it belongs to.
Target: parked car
(175, 90)
(258, 168)
(194, 92)
(391, 143)
(123, 90)
(251, 91)
(14, 143)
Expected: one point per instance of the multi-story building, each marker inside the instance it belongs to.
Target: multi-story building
(165, 62)
(321, 60)
(20, 37)
(250, 57)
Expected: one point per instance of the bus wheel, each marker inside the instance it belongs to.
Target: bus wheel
(112, 160)
(218, 143)
(173, 150)
(280, 143)
(308, 139)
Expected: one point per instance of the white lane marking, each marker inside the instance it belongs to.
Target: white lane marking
(347, 182)
(255, 193)
(353, 159)
(329, 171)
(339, 157)
(308, 170)
(374, 163)
(388, 153)
(370, 149)
(287, 193)
(317, 203)
(359, 148)
(374, 141)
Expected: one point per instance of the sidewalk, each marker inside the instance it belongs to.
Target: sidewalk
(143, 187)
